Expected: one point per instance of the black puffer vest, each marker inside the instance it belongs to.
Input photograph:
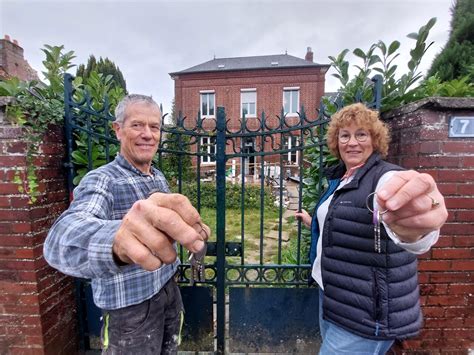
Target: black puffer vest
(371, 294)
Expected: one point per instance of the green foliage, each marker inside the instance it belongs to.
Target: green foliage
(56, 64)
(35, 108)
(379, 58)
(455, 61)
(39, 105)
(98, 155)
(12, 87)
(97, 87)
(433, 86)
(233, 195)
(107, 68)
(179, 145)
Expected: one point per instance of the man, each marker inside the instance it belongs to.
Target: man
(123, 239)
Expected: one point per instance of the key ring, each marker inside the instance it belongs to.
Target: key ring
(367, 204)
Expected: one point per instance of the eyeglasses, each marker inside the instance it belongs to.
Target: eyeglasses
(360, 136)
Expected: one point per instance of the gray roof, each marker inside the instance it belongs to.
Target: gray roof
(248, 63)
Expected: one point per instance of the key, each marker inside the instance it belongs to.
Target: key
(376, 220)
(197, 266)
(377, 216)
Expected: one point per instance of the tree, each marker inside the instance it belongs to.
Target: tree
(105, 67)
(456, 60)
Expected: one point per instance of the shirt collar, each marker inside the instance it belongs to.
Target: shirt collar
(351, 171)
(126, 164)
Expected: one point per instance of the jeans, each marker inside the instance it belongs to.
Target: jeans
(336, 340)
(150, 327)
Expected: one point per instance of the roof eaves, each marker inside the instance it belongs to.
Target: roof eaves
(185, 72)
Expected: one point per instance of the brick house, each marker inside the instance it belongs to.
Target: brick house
(12, 62)
(250, 85)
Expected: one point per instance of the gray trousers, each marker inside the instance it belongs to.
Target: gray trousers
(151, 327)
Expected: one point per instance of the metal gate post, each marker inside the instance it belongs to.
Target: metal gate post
(68, 132)
(220, 225)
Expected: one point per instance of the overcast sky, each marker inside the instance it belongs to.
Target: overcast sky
(150, 39)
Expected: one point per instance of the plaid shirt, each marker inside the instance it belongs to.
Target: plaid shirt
(80, 241)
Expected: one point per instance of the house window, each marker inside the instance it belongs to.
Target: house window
(208, 147)
(291, 142)
(248, 106)
(291, 100)
(208, 103)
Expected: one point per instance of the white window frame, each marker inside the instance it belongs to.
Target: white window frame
(246, 91)
(208, 145)
(206, 93)
(293, 107)
(288, 144)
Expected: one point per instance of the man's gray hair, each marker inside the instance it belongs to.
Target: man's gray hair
(131, 99)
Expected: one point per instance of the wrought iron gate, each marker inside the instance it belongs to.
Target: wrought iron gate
(248, 172)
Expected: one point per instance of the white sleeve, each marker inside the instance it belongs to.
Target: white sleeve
(420, 246)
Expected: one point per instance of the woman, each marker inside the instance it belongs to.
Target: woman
(368, 280)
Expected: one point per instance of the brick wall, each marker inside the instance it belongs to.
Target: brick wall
(37, 305)
(421, 142)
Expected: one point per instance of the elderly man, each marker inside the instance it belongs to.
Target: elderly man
(122, 236)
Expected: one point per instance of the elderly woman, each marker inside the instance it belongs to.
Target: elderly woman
(367, 227)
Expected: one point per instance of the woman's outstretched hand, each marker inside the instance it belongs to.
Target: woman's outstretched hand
(414, 205)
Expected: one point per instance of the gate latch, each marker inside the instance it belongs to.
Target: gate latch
(231, 249)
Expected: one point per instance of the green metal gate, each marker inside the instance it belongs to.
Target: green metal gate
(255, 297)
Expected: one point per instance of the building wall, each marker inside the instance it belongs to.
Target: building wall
(446, 272)
(269, 85)
(12, 62)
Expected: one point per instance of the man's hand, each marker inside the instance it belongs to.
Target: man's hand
(415, 205)
(149, 229)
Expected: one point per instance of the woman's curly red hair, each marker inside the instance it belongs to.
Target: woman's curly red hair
(364, 118)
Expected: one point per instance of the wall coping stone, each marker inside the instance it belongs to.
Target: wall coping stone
(438, 103)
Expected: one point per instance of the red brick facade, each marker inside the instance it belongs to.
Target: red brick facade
(420, 141)
(37, 304)
(268, 83)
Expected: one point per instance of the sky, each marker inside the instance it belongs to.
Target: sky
(149, 39)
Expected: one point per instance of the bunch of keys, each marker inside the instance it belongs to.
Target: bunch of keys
(376, 220)
(197, 264)
(195, 259)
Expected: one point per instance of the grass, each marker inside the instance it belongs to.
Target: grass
(252, 242)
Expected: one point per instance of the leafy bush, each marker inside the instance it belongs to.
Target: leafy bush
(233, 195)
(379, 58)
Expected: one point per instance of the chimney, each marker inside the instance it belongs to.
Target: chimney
(7, 37)
(15, 42)
(309, 55)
